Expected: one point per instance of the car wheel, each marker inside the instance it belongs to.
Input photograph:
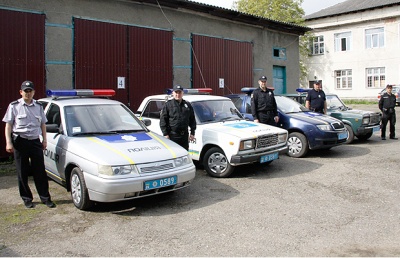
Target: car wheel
(297, 145)
(364, 137)
(216, 163)
(79, 191)
(350, 137)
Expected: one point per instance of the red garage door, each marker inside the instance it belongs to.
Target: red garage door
(21, 58)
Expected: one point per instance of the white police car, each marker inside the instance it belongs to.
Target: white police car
(101, 152)
(224, 139)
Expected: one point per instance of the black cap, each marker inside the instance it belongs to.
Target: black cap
(318, 82)
(27, 85)
(389, 86)
(263, 78)
(178, 87)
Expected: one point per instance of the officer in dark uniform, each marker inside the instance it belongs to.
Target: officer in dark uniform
(387, 103)
(263, 104)
(176, 116)
(25, 122)
(316, 99)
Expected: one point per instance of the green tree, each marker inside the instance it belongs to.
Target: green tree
(289, 11)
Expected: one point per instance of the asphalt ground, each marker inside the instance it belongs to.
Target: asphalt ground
(340, 202)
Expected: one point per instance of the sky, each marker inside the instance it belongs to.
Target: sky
(309, 6)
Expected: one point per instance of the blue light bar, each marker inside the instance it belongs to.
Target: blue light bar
(301, 90)
(192, 91)
(81, 92)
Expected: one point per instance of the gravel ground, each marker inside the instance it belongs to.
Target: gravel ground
(341, 202)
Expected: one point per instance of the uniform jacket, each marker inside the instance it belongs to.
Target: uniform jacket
(263, 101)
(177, 117)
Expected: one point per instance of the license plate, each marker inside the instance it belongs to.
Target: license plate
(269, 157)
(376, 128)
(158, 183)
(342, 136)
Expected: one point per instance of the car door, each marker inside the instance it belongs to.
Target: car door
(54, 155)
(152, 112)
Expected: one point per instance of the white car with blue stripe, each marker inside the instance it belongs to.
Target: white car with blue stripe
(101, 152)
(224, 139)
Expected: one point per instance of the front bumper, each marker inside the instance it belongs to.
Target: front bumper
(240, 159)
(112, 190)
(325, 140)
(368, 129)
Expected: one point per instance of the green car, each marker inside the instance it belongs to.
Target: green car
(360, 123)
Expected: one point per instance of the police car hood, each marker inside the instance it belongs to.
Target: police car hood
(131, 148)
(313, 118)
(241, 128)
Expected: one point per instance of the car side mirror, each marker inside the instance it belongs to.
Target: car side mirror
(53, 128)
(146, 122)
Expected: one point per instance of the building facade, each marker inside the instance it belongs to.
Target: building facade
(356, 47)
(140, 47)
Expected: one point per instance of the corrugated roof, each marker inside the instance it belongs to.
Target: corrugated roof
(351, 6)
(229, 14)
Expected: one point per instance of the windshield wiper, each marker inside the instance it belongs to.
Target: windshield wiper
(128, 131)
(93, 133)
(228, 118)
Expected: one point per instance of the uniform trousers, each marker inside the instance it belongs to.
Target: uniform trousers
(267, 118)
(388, 117)
(181, 138)
(28, 155)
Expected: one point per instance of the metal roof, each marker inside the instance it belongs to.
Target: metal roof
(351, 6)
(229, 14)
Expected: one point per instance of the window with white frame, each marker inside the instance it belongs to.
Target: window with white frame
(342, 41)
(375, 38)
(376, 77)
(344, 79)
(317, 45)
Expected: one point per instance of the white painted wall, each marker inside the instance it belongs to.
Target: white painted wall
(359, 58)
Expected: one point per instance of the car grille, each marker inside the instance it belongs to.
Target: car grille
(375, 119)
(337, 125)
(267, 141)
(155, 167)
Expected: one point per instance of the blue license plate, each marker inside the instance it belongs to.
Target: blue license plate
(269, 157)
(376, 128)
(342, 136)
(159, 183)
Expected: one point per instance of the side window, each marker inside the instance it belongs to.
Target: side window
(53, 115)
(153, 109)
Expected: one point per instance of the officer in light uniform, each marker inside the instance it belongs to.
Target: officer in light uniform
(25, 122)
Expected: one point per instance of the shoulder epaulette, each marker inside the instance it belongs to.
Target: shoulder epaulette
(37, 102)
(14, 102)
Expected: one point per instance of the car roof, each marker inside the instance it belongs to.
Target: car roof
(77, 101)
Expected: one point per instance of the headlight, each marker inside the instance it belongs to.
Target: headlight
(324, 127)
(182, 161)
(282, 137)
(246, 145)
(118, 170)
(365, 120)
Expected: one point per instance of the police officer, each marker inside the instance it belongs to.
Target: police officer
(176, 116)
(263, 104)
(387, 102)
(316, 99)
(25, 122)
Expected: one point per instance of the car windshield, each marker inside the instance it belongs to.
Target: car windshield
(333, 102)
(215, 111)
(92, 119)
(287, 105)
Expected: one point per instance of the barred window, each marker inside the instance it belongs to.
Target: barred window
(374, 38)
(344, 79)
(317, 45)
(376, 77)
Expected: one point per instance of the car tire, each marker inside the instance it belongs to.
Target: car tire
(350, 137)
(364, 137)
(297, 145)
(79, 191)
(216, 163)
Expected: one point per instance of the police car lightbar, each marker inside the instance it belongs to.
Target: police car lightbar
(248, 90)
(301, 90)
(81, 92)
(193, 91)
